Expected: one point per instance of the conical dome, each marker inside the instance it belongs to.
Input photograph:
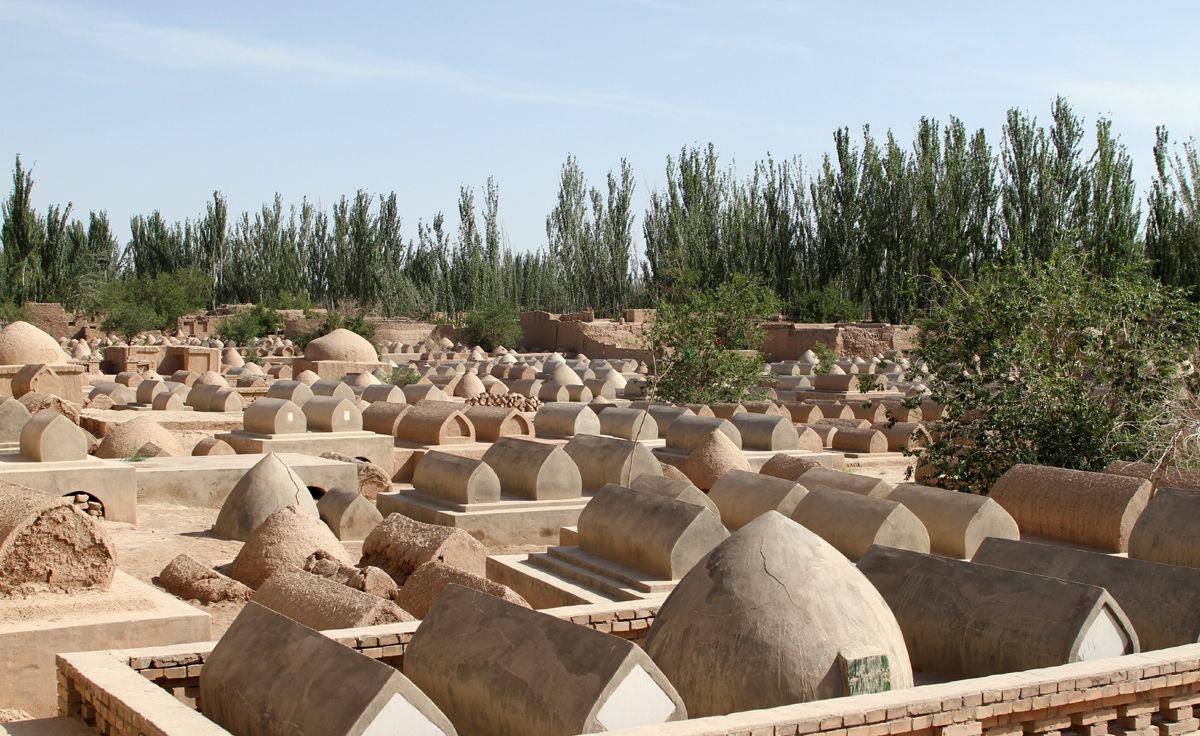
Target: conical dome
(342, 345)
(713, 458)
(564, 376)
(264, 489)
(469, 386)
(21, 344)
(231, 358)
(212, 378)
(774, 605)
(361, 380)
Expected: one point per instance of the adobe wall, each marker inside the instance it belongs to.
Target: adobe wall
(788, 341)
(581, 333)
(135, 692)
(409, 331)
(50, 317)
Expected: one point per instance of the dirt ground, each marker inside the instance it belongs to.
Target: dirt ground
(894, 473)
(163, 532)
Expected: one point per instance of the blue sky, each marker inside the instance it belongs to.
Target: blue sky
(132, 106)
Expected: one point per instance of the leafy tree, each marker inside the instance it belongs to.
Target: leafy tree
(827, 304)
(706, 341)
(250, 324)
(156, 302)
(129, 318)
(10, 312)
(498, 323)
(1048, 362)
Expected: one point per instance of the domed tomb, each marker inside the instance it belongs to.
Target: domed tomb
(21, 344)
(784, 618)
(341, 345)
(264, 489)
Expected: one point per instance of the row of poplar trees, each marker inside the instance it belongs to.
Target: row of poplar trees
(864, 230)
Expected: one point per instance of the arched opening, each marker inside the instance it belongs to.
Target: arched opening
(86, 503)
(362, 459)
(316, 492)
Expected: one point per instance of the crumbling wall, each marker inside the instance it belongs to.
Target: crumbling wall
(539, 331)
(50, 317)
(788, 341)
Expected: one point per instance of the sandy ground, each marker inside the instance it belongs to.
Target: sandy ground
(162, 532)
(891, 473)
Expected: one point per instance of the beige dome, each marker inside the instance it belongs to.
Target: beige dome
(564, 376)
(360, 380)
(212, 378)
(21, 344)
(307, 377)
(341, 345)
(125, 439)
(776, 606)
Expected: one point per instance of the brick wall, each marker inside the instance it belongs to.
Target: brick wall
(140, 691)
(1151, 694)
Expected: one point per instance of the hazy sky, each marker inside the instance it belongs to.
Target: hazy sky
(132, 106)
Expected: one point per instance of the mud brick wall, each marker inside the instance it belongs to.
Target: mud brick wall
(153, 692)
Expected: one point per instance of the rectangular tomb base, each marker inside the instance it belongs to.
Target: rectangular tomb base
(375, 448)
(509, 523)
(611, 580)
(758, 458)
(540, 588)
(406, 455)
(99, 421)
(206, 481)
(129, 614)
(110, 481)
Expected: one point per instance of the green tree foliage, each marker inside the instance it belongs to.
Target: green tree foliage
(826, 357)
(52, 257)
(861, 235)
(706, 341)
(335, 320)
(142, 303)
(827, 304)
(1052, 363)
(1173, 219)
(492, 325)
(248, 325)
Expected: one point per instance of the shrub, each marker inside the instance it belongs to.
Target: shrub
(706, 342)
(498, 323)
(404, 375)
(289, 300)
(827, 304)
(10, 312)
(127, 319)
(825, 355)
(1051, 364)
(356, 323)
(145, 303)
(250, 324)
